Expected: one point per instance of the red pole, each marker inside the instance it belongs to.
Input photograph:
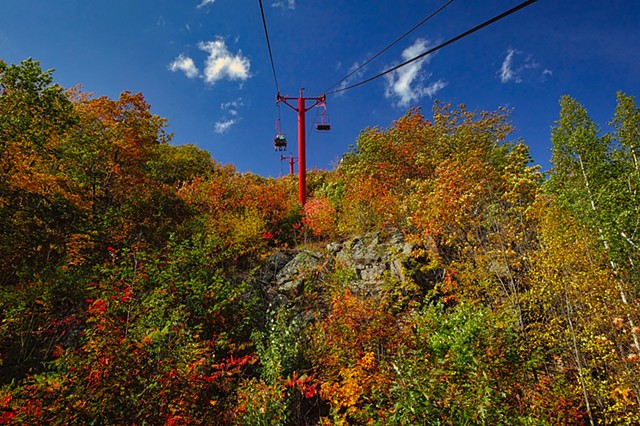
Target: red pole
(302, 157)
(302, 153)
(291, 161)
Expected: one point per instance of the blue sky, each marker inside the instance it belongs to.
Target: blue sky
(204, 64)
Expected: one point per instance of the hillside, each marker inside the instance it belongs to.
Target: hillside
(434, 277)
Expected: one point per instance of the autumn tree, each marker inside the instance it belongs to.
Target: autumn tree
(593, 180)
(78, 177)
(576, 324)
(581, 309)
(455, 183)
(37, 199)
(115, 154)
(626, 208)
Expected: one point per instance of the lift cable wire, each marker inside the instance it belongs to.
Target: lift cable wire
(440, 46)
(278, 122)
(314, 122)
(392, 44)
(266, 34)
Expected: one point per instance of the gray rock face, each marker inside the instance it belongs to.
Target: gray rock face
(301, 267)
(372, 258)
(282, 277)
(373, 255)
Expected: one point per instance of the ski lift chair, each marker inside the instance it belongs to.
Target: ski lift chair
(280, 143)
(323, 125)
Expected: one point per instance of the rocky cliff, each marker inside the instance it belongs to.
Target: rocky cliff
(366, 263)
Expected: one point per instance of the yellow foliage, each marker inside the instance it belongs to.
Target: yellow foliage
(78, 248)
(245, 227)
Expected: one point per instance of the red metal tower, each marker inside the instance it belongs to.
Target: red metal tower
(291, 160)
(301, 109)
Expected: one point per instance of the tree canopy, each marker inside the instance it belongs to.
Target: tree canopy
(132, 285)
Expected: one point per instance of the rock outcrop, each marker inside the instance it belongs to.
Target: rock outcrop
(369, 260)
(373, 257)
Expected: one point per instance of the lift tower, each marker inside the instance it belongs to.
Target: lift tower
(301, 109)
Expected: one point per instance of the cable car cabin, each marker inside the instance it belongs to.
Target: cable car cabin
(280, 143)
(323, 127)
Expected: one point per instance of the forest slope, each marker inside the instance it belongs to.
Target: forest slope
(136, 280)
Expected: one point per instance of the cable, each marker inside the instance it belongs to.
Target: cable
(266, 34)
(278, 122)
(440, 46)
(313, 124)
(392, 44)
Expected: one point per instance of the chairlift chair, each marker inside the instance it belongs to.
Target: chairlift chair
(280, 143)
(323, 125)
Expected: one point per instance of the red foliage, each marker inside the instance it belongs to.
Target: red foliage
(7, 417)
(98, 307)
(304, 384)
(320, 216)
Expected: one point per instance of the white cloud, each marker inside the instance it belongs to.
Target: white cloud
(347, 81)
(530, 63)
(514, 69)
(185, 64)
(289, 4)
(408, 83)
(232, 107)
(232, 115)
(232, 104)
(506, 70)
(221, 63)
(224, 125)
(204, 3)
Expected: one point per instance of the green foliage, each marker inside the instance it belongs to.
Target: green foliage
(624, 205)
(458, 371)
(262, 404)
(175, 165)
(585, 275)
(164, 339)
(38, 316)
(279, 346)
(37, 201)
(271, 398)
(596, 177)
(579, 159)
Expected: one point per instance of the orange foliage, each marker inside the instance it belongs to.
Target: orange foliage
(351, 346)
(448, 208)
(320, 217)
